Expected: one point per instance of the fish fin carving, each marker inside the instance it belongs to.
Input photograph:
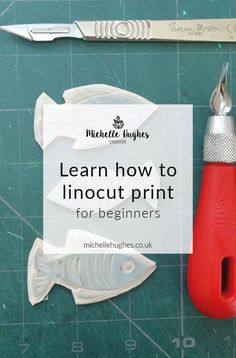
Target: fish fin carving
(93, 94)
(80, 94)
(83, 296)
(40, 274)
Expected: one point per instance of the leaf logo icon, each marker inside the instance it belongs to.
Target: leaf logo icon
(118, 123)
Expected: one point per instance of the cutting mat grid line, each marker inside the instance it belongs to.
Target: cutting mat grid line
(117, 53)
(157, 319)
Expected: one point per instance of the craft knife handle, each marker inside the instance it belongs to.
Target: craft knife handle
(212, 266)
(209, 30)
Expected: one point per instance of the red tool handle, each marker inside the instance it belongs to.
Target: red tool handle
(212, 266)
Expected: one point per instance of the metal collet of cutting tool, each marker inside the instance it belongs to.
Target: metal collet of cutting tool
(202, 30)
(212, 266)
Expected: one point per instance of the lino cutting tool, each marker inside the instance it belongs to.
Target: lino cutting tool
(203, 30)
(212, 266)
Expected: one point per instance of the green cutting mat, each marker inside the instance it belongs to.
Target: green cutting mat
(157, 319)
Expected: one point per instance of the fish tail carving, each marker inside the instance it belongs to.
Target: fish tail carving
(41, 276)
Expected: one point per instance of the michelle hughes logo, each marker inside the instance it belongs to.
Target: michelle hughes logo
(118, 123)
(115, 135)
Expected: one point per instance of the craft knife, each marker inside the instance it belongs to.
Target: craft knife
(203, 30)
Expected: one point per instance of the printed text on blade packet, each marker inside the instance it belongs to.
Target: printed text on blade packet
(136, 172)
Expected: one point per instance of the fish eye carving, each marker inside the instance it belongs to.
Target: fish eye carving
(128, 266)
